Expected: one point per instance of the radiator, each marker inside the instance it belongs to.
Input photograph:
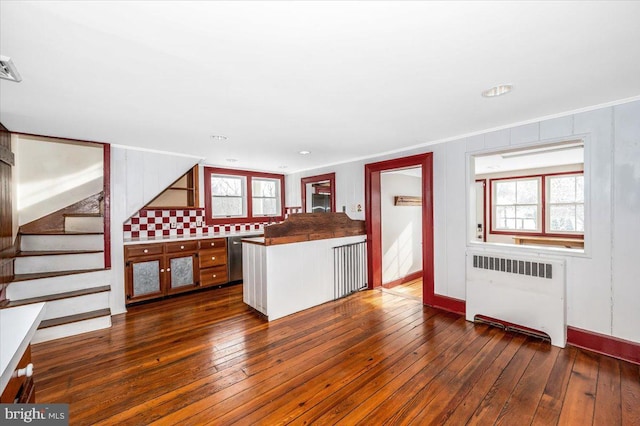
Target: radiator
(349, 269)
(525, 291)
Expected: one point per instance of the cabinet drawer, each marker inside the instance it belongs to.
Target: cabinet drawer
(214, 257)
(212, 276)
(142, 250)
(178, 247)
(213, 242)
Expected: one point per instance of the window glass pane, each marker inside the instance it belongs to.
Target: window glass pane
(505, 192)
(264, 188)
(526, 217)
(527, 192)
(265, 206)
(563, 217)
(226, 186)
(580, 189)
(226, 206)
(562, 189)
(580, 217)
(505, 216)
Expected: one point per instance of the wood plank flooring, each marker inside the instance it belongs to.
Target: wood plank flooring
(371, 358)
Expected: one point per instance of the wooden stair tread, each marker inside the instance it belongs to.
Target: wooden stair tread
(58, 296)
(74, 318)
(39, 275)
(55, 252)
(60, 233)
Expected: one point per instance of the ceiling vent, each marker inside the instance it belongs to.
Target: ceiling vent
(8, 71)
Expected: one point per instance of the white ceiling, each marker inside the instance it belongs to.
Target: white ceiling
(343, 80)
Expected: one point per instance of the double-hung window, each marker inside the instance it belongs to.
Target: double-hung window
(545, 205)
(565, 203)
(517, 204)
(239, 196)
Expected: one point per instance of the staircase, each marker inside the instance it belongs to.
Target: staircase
(61, 262)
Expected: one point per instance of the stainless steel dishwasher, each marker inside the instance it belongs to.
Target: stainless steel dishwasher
(234, 257)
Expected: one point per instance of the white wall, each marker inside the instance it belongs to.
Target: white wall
(52, 175)
(136, 178)
(602, 289)
(401, 227)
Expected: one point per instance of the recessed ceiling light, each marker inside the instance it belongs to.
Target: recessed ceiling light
(500, 90)
(218, 138)
(232, 160)
(304, 152)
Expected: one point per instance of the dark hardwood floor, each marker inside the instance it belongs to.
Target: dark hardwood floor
(371, 358)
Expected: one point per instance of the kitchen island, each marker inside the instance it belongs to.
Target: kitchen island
(296, 265)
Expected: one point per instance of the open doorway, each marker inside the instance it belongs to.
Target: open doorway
(401, 227)
(374, 176)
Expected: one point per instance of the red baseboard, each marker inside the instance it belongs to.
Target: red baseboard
(449, 304)
(412, 276)
(602, 344)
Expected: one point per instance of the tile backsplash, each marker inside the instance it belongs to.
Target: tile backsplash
(177, 222)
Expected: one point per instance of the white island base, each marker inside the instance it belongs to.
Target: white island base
(282, 279)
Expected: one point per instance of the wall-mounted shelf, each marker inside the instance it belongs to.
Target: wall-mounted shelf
(182, 193)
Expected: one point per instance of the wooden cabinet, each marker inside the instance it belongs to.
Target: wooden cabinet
(156, 270)
(21, 389)
(181, 193)
(213, 261)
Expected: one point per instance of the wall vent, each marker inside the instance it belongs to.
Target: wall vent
(513, 266)
(8, 70)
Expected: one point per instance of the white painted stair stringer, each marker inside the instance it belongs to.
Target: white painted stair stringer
(58, 262)
(37, 287)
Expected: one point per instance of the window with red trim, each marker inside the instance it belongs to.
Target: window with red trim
(241, 196)
(544, 205)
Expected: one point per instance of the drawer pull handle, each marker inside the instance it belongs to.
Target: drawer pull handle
(168, 269)
(26, 371)
(213, 244)
(214, 275)
(213, 258)
(146, 250)
(161, 270)
(181, 247)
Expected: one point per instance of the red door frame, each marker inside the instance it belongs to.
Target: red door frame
(373, 217)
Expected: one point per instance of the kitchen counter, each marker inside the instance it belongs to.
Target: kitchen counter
(17, 327)
(164, 239)
(254, 240)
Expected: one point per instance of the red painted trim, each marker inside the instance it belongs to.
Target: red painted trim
(208, 171)
(484, 208)
(106, 181)
(449, 304)
(374, 226)
(602, 344)
(543, 195)
(331, 177)
(411, 277)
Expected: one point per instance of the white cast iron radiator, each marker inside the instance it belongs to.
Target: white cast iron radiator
(525, 291)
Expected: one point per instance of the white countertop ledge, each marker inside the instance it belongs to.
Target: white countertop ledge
(17, 327)
(168, 239)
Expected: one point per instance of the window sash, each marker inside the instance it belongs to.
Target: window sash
(558, 223)
(259, 201)
(221, 199)
(516, 222)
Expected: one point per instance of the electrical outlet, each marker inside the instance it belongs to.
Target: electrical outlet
(199, 223)
(174, 225)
